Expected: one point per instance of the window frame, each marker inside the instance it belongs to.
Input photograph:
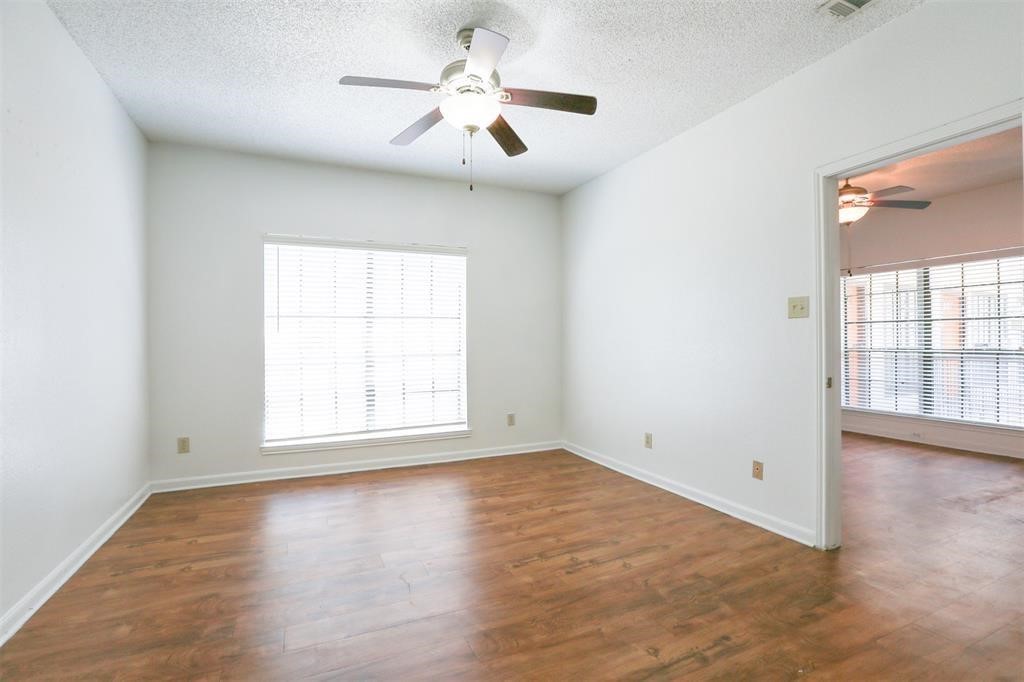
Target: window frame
(921, 270)
(382, 436)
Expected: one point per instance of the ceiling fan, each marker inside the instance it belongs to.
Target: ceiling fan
(474, 94)
(854, 201)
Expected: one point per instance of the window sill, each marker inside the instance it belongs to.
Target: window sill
(930, 418)
(299, 445)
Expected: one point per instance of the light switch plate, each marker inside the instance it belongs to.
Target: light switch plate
(799, 306)
(184, 445)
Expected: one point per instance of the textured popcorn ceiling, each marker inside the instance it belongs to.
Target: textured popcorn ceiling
(261, 75)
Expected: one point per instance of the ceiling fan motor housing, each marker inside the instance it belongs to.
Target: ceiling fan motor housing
(850, 192)
(454, 80)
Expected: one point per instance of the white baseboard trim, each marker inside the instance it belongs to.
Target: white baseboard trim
(20, 612)
(993, 440)
(805, 536)
(192, 482)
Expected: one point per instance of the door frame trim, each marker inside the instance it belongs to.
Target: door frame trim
(829, 424)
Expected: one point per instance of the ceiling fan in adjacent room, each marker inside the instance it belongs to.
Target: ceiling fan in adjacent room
(475, 95)
(854, 202)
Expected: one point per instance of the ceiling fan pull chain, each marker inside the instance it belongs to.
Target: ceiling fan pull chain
(463, 147)
(471, 161)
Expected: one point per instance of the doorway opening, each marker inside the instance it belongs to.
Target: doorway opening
(921, 343)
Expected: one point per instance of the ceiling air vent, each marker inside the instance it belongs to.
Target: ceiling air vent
(843, 8)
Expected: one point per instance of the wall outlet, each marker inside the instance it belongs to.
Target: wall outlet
(184, 445)
(799, 306)
(510, 419)
(648, 440)
(758, 470)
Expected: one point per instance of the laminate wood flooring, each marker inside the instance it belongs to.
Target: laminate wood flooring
(547, 566)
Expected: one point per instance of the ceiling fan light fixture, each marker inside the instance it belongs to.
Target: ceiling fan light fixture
(851, 213)
(470, 111)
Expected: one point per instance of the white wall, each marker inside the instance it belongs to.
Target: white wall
(995, 440)
(984, 219)
(73, 407)
(208, 211)
(678, 263)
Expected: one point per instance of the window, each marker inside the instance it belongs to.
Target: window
(362, 342)
(945, 341)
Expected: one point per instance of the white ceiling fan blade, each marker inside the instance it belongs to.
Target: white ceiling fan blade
(485, 49)
(428, 121)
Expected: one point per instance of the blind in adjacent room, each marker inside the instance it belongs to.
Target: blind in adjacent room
(944, 341)
(360, 340)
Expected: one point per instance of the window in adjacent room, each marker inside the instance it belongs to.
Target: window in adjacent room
(363, 343)
(945, 342)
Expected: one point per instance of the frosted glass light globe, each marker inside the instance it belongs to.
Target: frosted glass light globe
(851, 213)
(470, 111)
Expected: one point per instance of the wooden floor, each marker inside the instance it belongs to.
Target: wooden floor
(546, 566)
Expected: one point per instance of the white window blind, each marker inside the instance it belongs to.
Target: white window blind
(944, 341)
(360, 341)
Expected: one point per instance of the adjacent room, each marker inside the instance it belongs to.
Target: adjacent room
(932, 320)
(511, 339)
